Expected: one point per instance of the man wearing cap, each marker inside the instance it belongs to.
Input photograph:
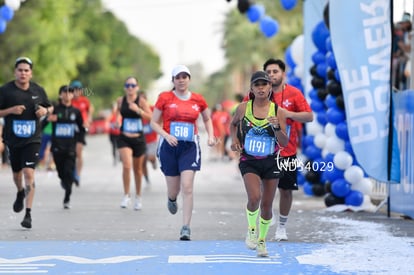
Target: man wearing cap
(22, 104)
(258, 131)
(81, 102)
(296, 110)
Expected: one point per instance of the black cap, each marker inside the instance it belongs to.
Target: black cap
(65, 88)
(259, 75)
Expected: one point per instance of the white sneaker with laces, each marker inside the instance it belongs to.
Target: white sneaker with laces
(280, 234)
(138, 203)
(125, 201)
(251, 239)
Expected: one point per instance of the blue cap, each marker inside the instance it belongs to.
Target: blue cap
(76, 84)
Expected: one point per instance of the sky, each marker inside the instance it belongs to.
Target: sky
(187, 31)
(181, 31)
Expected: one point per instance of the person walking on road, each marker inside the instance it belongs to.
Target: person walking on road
(131, 142)
(22, 104)
(114, 121)
(81, 102)
(67, 124)
(151, 138)
(296, 111)
(174, 119)
(258, 131)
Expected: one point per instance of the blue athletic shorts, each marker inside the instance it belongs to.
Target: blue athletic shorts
(185, 156)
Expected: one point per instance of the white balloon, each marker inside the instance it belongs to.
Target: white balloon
(324, 153)
(313, 128)
(298, 71)
(343, 160)
(330, 129)
(334, 144)
(354, 174)
(320, 140)
(297, 49)
(14, 4)
(364, 186)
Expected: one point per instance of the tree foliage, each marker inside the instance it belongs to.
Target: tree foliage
(74, 39)
(246, 48)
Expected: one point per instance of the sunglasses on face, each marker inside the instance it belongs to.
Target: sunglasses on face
(257, 84)
(183, 76)
(128, 85)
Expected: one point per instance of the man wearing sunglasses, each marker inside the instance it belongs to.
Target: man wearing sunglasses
(22, 104)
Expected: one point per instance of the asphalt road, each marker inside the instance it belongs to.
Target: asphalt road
(97, 228)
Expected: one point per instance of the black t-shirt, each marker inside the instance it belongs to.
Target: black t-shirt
(20, 130)
(69, 124)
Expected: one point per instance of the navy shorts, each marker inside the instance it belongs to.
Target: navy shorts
(24, 157)
(185, 156)
(265, 168)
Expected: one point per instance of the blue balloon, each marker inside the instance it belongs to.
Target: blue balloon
(6, 13)
(317, 105)
(3, 25)
(334, 174)
(255, 12)
(294, 81)
(289, 59)
(321, 118)
(307, 188)
(288, 4)
(337, 76)
(269, 26)
(341, 131)
(348, 147)
(300, 179)
(328, 43)
(329, 158)
(340, 188)
(330, 60)
(321, 69)
(313, 152)
(313, 94)
(354, 198)
(334, 115)
(318, 57)
(308, 140)
(330, 101)
(319, 35)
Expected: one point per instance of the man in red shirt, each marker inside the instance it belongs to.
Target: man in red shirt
(81, 102)
(297, 111)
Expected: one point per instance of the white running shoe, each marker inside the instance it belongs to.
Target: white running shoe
(138, 203)
(125, 201)
(261, 249)
(251, 239)
(280, 234)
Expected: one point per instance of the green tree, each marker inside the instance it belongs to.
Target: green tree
(246, 48)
